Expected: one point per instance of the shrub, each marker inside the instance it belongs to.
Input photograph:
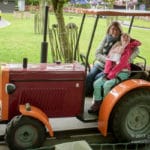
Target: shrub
(32, 2)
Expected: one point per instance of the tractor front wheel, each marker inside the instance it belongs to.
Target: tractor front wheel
(24, 132)
(131, 116)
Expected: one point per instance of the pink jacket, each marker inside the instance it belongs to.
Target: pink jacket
(112, 69)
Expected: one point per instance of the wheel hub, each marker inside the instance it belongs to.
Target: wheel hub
(26, 135)
(138, 120)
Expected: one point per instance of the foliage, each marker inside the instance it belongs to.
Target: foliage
(82, 5)
(110, 3)
(57, 3)
(141, 1)
(32, 2)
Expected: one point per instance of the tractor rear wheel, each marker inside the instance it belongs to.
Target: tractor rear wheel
(25, 132)
(131, 116)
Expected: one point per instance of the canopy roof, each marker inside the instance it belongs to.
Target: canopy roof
(111, 12)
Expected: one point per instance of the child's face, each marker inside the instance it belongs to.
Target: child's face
(124, 38)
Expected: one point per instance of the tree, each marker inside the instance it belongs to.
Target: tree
(62, 33)
(65, 45)
(110, 3)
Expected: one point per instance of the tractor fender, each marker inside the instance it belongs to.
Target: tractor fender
(113, 97)
(37, 113)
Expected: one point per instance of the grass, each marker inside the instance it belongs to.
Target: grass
(18, 40)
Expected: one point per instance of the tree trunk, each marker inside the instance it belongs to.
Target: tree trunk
(62, 33)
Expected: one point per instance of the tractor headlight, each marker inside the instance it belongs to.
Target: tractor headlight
(10, 88)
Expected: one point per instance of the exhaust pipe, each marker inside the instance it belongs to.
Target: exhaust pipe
(44, 44)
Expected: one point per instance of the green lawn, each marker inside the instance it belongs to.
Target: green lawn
(18, 40)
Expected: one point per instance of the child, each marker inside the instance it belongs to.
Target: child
(115, 52)
(117, 49)
(114, 69)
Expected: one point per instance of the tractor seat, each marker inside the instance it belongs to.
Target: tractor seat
(137, 72)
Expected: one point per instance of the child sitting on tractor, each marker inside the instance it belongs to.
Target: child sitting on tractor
(116, 69)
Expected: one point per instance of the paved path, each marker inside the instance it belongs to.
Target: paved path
(95, 140)
(4, 23)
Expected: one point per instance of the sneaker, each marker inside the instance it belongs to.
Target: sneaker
(94, 109)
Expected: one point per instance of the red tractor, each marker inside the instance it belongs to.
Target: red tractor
(32, 96)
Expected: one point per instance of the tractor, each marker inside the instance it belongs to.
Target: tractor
(36, 98)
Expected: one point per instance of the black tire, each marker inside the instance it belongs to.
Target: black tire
(131, 116)
(24, 132)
